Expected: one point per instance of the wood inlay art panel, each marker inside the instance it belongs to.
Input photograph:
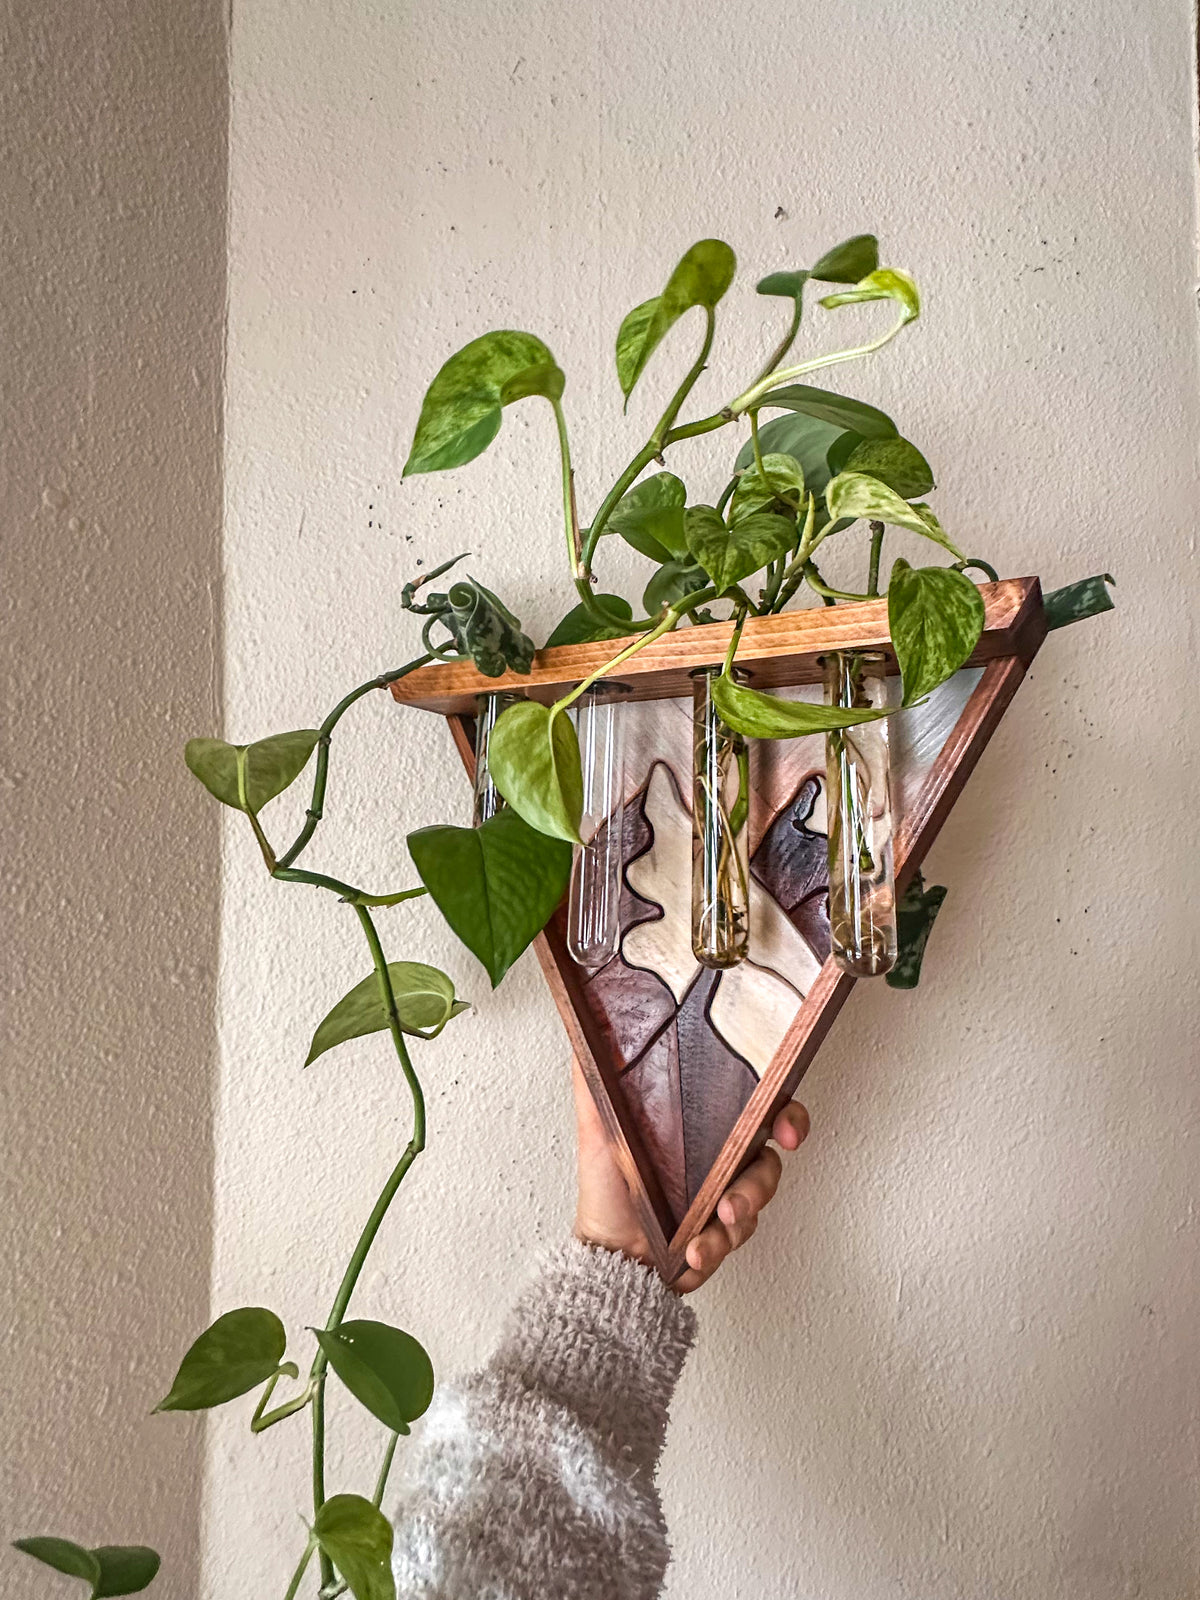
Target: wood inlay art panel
(687, 1066)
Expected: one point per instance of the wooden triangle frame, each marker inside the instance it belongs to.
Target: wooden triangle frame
(777, 651)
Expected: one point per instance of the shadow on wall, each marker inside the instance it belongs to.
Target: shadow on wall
(115, 165)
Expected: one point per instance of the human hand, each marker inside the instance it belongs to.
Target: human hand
(605, 1215)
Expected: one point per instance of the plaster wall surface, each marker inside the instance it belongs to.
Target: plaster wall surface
(957, 1360)
(112, 216)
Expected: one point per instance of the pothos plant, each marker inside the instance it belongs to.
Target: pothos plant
(824, 465)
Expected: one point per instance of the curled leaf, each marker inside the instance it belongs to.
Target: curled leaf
(238, 1352)
(763, 716)
(384, 1368)
(935, 617)
(888, 283)
(1087, 598)
(838, 410)
(461, 412)
(783, 285)
(485, 629)
(700, 279)
(425, 1003)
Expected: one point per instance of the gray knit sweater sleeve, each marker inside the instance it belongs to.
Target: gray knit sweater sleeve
(534, 1477)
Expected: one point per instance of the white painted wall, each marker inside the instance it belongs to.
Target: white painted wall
(955, 1361)
(112, 216)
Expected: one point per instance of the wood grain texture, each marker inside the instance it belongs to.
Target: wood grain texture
(688, 1114)
(776, 651)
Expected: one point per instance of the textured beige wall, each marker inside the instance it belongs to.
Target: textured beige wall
(956, 1360)
(112, 176)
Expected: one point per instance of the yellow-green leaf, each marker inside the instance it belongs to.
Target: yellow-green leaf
(763, 716)
(460, 415)
(730, 554)
(357, 1538)
(784, 481)
(935, 617)
(859, 494)
(533, 759)
(701, 278)
(425, 1002)
(889, 283)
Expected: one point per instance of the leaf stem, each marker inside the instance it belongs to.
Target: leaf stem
(570, 511)
(658, 437)
(293, 1588)
(877, 531)
(760, 389)
(316, 805)
(385, 1469)
(264, 1419)
(608, 505)
(665, 623)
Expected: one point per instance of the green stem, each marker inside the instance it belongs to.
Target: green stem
(726, 494)
(317, 804)
(352, 896)
(666, 622)
(659, 435)
(786, 343)
(367, 1238)
(293, 1588)
(876, 551)
(980, 566)
(758, 390)
(758, 458)
(570, 513)
(793, 577)
(734, 640)
(815, 581)
(608, 505)
(264, 1419)
(381, 1481)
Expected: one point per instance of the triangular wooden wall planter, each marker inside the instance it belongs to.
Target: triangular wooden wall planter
(689, 1067)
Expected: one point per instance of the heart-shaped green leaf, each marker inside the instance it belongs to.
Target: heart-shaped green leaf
(1087, 598)
(888, 283)
(850, 261)
(700, 279)
(533, 759)
(460, 415)
(762, 716)
(895, 462)
(935, 616)
(246, 776)
(357, 1538)
(858, 494)
(384, 1368)
(580, 627)
(806, 439)
(730, 554)
(650, 517)
(496, 885)
(783, 285)
(424, 1003)
(916, 911)
(239, 1351)
(838, 410)
(671, 582)
(111, 1569)
(784, 481)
